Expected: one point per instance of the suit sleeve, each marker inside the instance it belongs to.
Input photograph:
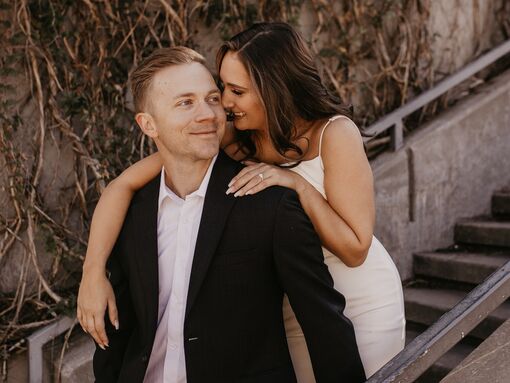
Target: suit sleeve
(107, 363)
(318, 306)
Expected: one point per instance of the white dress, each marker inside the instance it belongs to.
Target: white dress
(373, 294)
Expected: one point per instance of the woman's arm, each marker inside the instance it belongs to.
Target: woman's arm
(345, 221)
(112, 207)
(95, 293)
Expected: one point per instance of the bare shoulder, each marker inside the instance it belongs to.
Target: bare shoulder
(341, 138)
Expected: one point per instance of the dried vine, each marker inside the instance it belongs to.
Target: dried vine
(72, 58)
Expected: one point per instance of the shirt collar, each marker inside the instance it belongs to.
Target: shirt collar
(165, 191)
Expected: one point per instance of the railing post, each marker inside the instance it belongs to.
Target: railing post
(397, 135)
(37, 340)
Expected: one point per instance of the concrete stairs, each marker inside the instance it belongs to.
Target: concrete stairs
(445, 277)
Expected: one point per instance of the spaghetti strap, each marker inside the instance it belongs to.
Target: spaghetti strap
(322, 133)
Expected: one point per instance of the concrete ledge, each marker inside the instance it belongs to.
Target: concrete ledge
(446, 170)
(77, 363)
(490, 362)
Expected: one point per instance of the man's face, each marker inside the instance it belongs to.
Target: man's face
(185, 105)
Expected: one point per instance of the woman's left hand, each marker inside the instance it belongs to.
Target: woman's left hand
(258, 176)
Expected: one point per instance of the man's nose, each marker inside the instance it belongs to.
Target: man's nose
(205, 112)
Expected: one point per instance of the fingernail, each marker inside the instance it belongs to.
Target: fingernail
(247, 193)
(106, 344)
(229, 190)
(230, 183)
(116, 324)
(102, 347)
(237, 194)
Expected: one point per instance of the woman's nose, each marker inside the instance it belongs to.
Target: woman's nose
(226, 101)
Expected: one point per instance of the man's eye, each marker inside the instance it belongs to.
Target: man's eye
(184, 103)
(214, 99)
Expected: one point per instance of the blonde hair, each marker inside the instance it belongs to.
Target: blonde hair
(141, 78)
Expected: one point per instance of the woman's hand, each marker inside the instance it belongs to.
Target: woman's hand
(258, 176)
(94, 296)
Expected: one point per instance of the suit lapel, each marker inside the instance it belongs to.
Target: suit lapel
(217, 206)
(145, 216)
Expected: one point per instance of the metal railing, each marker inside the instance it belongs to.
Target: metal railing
(394, 120)
(38, 339)
(447, 331)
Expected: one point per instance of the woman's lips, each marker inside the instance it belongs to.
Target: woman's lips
(231, 116)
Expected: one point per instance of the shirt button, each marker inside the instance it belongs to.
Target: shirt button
(144, 358)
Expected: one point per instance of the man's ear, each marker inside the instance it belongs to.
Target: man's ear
(147, 125)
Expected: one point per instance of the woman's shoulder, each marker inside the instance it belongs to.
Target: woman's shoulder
(340, 133)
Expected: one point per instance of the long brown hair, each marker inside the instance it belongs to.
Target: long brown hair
(284, 74)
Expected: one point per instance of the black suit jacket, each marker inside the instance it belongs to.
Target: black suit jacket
(249, 251)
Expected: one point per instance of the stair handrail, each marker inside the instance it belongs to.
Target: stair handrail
(394, 120)
(447, 331)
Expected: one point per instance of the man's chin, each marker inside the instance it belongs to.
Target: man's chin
(208, 152)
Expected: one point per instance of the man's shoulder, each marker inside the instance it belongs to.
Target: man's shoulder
(275, 196)
(149, 191)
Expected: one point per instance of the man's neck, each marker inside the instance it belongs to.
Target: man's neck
(184, 177)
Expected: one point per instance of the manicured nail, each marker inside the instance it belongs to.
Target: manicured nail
(229, 190)
(237, 194)
(102, 347)
(116, 324)
(230, 183)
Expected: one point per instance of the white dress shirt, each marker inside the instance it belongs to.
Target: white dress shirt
(178, 223)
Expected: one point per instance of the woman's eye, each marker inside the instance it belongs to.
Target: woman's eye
(237, 92)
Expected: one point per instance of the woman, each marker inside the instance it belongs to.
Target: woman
(283, 116)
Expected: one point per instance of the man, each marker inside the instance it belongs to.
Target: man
(199, 275)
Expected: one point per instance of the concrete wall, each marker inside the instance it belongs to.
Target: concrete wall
(461, 30)
(448, 169)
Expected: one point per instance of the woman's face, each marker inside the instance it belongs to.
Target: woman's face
(239, 95)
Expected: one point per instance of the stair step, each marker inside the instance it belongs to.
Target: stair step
(426, 305)
(491, 233)
(446, 363)
(467, 267)
(501, 203)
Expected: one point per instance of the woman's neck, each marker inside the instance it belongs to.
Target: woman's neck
(307, 140)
